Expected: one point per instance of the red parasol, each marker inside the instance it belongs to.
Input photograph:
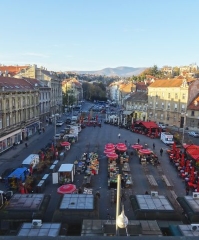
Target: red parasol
(174, 147)
(156, 133)
(52, 148)
(145, 151)
(112, 155)
(42, 156)
(122, 148)
(64, 144)
(120, 144)
(182, 160)
(107, 151)
(177, 153)
(109, 145)
(137, 146)
(192, 175)
(66, 189)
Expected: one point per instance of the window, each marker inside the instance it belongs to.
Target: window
(156, 104)
(7, 103)
(175, 107)
(0, 104)
(162, 105)
(169, 95)
(19, 103)
(176, 96)
(192, 113)
(161, 116)
(7, 120)
(183, 96)
(168, 106)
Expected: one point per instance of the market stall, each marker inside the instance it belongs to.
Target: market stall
(66, 173)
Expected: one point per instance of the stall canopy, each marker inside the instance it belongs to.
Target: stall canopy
(19, 173)
(193, 151)
(149, 124)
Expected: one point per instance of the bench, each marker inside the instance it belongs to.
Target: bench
(168, 184)
(152, 181)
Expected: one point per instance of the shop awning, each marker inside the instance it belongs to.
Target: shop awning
(149, 124)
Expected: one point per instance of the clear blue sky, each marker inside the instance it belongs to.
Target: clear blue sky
(94, 34)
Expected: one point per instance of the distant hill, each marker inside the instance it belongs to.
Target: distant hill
(118, 71)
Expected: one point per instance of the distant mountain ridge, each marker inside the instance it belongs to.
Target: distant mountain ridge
(118, 71)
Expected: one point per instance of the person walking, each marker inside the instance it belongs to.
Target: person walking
(161, 152)
(26, 145)
(153, 146)
(119, 135)
(138, 141)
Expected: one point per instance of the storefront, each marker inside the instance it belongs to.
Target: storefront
(7, 141)
(30, 130)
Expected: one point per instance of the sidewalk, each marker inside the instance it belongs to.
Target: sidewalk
(10, 153)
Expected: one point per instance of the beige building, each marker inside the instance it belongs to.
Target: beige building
(167, 101)
(53, 80)
(19, 111)
(73, 89)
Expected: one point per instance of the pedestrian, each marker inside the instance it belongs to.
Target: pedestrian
(187, 190)
(97, 194)
(146, 193)
(43, 130)
(119, 135)
(26, 145)
(138, 141)
(161, 152)
(153, 146)
(125, 142)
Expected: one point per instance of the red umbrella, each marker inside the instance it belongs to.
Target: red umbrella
(64, 144)
(137, 146)
(66, 189)
(109, 145)
(145, 151)
(112, 155)
(182, 160)
(120, 144)
(174, 147)
(107, 151)
(122, 148)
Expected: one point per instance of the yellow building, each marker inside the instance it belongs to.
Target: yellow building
(167, 101)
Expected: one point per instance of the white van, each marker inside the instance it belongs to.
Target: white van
(167, 138)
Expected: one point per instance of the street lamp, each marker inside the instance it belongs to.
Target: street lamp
(184, 126)
(121, 220)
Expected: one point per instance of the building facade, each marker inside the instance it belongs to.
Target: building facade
(167, 101)
(53, 81)
(19, 111)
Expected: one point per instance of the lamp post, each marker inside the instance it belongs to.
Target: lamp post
(184, 126)
(121, 220)
(55, 130)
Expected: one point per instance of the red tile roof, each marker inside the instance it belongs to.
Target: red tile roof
(194, 105)
(15, 84)
(12, 70)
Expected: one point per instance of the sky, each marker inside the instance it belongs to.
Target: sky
(67, 35)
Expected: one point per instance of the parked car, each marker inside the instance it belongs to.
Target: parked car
(57, 136)
(162, 126)
(62, 133)
(68, 120)
(59, 123)
(194, 134)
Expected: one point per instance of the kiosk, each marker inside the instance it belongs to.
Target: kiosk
(66, 173)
